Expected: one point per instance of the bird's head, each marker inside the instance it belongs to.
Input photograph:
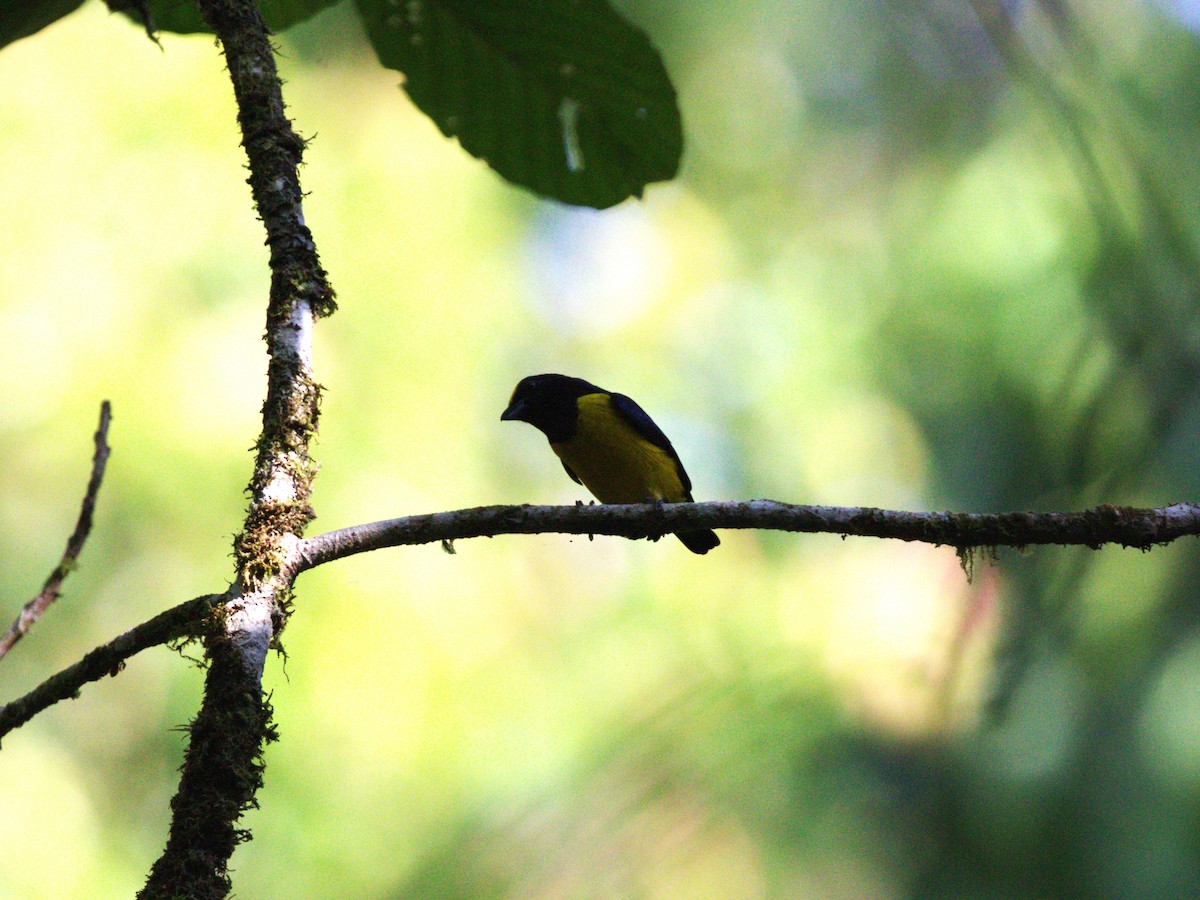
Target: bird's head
(547, 402)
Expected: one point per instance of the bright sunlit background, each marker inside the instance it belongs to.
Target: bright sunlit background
(900, 268)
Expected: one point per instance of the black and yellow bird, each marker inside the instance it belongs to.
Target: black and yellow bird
(607, 443)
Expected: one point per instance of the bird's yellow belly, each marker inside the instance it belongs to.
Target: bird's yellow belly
(614, 462)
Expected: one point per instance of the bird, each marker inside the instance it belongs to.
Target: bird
(607, 443)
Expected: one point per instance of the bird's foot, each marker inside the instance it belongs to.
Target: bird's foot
(656, 524)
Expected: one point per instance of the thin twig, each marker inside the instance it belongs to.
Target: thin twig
(107, 659)
(33, 610)
(1127, 526)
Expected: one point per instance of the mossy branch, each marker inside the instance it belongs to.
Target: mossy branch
(179, 622)
(966, 532)
(1127, 526)
(222, 769)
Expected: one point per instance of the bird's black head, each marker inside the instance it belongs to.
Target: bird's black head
(547, 402)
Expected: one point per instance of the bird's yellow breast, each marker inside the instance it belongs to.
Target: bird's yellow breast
(613, 461)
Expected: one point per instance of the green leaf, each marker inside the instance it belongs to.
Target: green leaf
(563, 97)
(21, 18)
(183, 16)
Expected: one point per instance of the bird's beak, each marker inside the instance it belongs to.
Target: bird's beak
(514, 411)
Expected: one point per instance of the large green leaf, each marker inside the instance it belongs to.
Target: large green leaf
(183, 16)
(21, 18)
(561, 96)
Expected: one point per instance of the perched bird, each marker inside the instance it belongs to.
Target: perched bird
(607, 443)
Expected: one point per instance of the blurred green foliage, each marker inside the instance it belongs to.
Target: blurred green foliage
(911, 261)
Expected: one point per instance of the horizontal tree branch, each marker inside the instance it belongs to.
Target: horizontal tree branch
(107, 659)
(1127, 526)
(33, 610)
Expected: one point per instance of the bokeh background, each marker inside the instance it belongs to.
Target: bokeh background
(921, 255)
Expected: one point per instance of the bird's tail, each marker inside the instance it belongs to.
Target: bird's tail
(699, 541)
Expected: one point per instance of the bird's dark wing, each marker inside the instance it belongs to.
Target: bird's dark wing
(644, 425)
(574, 477)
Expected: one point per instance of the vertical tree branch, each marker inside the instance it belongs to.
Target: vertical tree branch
(222, 770)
